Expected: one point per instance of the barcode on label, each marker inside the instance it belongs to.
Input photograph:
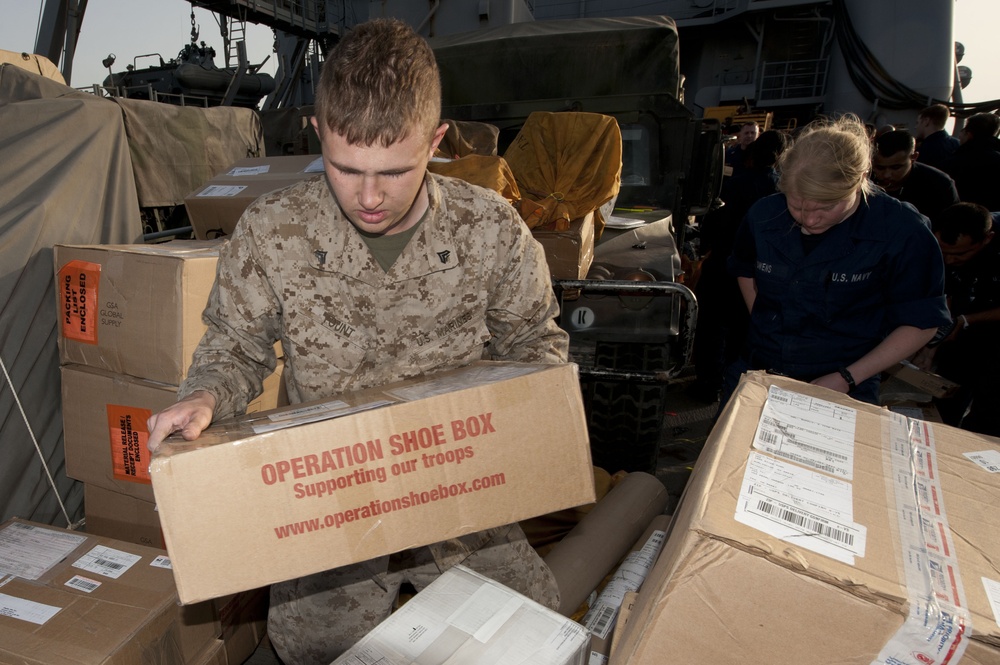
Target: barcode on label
(113, 565)
(768, 437)
(82, 584)
(604, 621)
(829, 468)
(161, 562)
(805, 522)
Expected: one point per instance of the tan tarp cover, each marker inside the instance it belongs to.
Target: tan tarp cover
(485, 171)
(177, 149)
(566, 165)
(465, 137)
(36, 64)
(287, 131)
(65, 177)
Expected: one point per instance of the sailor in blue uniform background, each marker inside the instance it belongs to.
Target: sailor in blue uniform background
(842, 281)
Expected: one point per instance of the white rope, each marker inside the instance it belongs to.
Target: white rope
(38, 449)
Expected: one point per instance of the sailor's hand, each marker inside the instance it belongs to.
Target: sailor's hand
(189, 416)
(833, 381)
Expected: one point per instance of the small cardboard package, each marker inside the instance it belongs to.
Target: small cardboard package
(134, 309)
(70, 597)
(104, 424)
(464, 617)
(325, 484)
(122, 516)
(930, 383)
(242, 617)
(571, 252)
(816, 528)
(215, 207)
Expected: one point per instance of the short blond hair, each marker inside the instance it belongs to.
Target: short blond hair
(379, 83)
(829, 161)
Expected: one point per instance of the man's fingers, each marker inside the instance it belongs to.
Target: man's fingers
(160, 427)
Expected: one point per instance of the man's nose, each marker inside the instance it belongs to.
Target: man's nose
(370, 196)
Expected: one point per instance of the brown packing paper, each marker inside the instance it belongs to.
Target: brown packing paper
(590, 551)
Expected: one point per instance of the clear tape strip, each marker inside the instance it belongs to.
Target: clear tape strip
(936, 628)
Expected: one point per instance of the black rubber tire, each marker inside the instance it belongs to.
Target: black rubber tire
(625, 420)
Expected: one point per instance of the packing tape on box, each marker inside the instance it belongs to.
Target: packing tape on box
(935, 630)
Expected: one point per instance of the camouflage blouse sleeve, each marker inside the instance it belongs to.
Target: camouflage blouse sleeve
(522, 305)
(237, 351)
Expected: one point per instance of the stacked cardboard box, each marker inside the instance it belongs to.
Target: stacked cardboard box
(816, 528)
(74, 597)
(571, 252)
(130, 318)
(215, 207)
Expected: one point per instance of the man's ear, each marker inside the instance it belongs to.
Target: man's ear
(315, 123)
(914, 155)
(438, 137)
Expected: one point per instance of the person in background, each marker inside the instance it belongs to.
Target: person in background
(377, 273)
(841, 281)
(966, 350)
(934, 144)
(975, 166)
(896, 170)
(722, 317)
(736, 154)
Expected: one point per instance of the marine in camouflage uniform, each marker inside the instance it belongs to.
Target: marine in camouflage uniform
(471, 284)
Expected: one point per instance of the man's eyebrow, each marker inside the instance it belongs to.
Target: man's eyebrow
(348, 169)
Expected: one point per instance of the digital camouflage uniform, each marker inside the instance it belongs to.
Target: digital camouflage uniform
(471, 284)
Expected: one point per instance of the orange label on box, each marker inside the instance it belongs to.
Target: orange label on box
(129, 455)
(78, 282)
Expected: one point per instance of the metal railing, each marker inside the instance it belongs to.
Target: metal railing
(150, 94)
(792, 80)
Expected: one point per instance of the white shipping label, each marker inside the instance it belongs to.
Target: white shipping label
(250, 170)
(28, 551)
(106, 561)
(802, 507)
(470, 377)
(597, 658)
(993, 593)
(367, 655)
(312, 414)
(161, 562)
(485, 612)
(81, 583)
(807, 430)
(222, 190)
(987, 459)
(26, 610)
(629, 576)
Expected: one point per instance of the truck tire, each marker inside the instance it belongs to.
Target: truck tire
(625, 419)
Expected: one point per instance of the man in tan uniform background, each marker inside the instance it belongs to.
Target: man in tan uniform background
(379, 272)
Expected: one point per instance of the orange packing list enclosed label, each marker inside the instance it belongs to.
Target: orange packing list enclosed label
(129, 455)
(78, 282)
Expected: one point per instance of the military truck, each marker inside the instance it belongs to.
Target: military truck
(631, 321)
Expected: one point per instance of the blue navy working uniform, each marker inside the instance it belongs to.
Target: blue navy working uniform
(824, 301)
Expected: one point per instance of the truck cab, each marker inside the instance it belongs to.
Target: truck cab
(631, 321)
